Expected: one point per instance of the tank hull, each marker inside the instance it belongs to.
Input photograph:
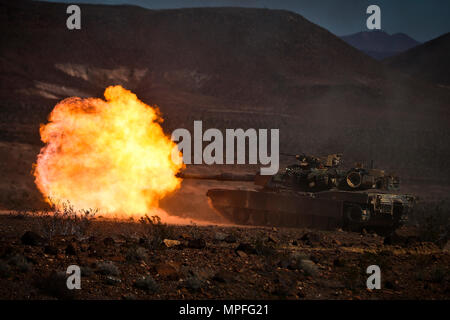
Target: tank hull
(324, 210)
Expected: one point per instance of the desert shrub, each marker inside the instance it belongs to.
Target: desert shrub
(195, 231)
(136, 254)
(20, 262)
(263, 249)
(147, 284)
(55, 285)
(64, 220)
(108, 268)
(20, 214)
(155, 230)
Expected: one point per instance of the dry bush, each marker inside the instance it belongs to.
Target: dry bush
(64, 220)
(148, 284)
(156, 231)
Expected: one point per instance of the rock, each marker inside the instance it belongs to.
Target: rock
(31, 238)
(185, 236)
(241, 254)
(311, 238)
(314, 258)
(129, 296)
(167, 271)
(230, 239)
(332, 284)
(202, 273)
(298, 256)
(55, 284)
(171, 243)
(72, 249)
(60, 256)
(220, 236)
(223, 276)
(339, 262)
(309, 267)
(194, 283)
(283, 288)
(113, 281)
(285, 263)
(147, 284)
(107, 268)
(196, 243)
(402, 237)
(86, 271)
(51, 250)
(293, 260)
(246, 247)
(109, 241)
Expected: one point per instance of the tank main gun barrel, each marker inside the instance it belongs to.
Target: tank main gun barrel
(289, 154)
(219, 177)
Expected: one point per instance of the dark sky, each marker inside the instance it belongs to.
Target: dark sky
(421, 19)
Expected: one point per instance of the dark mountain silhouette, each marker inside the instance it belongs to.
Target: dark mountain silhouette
(231, 68)
(429, 61)
(379, 44)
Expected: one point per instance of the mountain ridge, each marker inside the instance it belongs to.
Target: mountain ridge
(231, 68)
(379, 44)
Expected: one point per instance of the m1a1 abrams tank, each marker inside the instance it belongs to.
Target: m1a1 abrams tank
(314, 193)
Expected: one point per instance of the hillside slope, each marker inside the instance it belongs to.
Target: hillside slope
(429, 61)
(231, 68)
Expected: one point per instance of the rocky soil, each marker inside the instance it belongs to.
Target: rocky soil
(150, 260)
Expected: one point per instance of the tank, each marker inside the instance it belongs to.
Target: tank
(315, 192)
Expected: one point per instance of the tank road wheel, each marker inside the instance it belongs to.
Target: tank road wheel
(250, 217)
(274, 218)
(257, 217)
(397, 215)
(353, 217)
(240, 216)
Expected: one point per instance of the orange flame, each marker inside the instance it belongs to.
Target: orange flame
(109, 155)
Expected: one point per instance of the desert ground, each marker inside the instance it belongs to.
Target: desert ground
(151, 260)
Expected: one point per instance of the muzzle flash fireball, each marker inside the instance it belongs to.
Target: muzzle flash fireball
(110, 154)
